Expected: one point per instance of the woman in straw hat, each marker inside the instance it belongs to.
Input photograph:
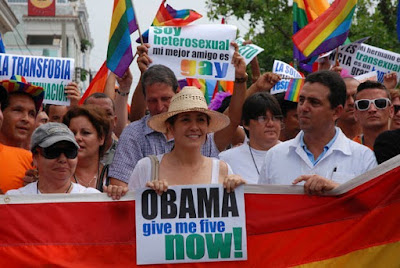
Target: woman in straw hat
(188, 120)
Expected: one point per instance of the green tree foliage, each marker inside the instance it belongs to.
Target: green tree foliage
(270, 25)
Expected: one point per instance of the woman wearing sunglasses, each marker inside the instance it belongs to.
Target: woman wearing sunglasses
(55, 154)
(395, 95)
(90, 126)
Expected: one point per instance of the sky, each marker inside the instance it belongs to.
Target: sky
(100, 12)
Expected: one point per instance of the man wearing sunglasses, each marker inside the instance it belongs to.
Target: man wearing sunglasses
(373, 111)
(320, 156)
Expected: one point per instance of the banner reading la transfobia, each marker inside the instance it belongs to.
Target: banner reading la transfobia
(195, 51)
(196, 223)
(51, 73)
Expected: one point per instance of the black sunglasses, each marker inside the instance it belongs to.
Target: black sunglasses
(364, 104)
(54, 152)
(396, 108)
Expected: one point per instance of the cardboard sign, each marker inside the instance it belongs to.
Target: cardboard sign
(358, 60)
(195, 51)
(192, 223)
(286, 71)
(248, 52)
(53, 74)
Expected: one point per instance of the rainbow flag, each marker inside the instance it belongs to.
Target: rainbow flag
(98, 83)
(356, 227)
(304, 12)
(168, 16)
(328, 31)
(293, 90)
(123, 23)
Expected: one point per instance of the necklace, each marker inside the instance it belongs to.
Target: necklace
(254, 161)
(90, 182)
(69, 188)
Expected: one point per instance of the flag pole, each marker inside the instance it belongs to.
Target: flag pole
(137, 22)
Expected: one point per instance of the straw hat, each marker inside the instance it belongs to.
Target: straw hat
(189, 99)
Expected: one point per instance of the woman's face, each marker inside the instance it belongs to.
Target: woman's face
(57, 162)
(396, 117)
(264, 131)
(86, 136)
(190, 129)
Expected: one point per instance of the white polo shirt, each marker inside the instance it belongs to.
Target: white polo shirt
(344, 160)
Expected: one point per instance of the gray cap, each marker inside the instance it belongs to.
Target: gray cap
(51, 133)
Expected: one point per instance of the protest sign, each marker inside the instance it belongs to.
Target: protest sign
(201, 223)
(53, 74)
(373, 76)
(195, 51)
(287, 72)
(363, 58)
(248, 52)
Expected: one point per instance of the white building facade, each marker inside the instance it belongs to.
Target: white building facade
(66, 34)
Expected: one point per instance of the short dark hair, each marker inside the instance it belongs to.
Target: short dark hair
(159, 74)
(334, 82)
(99, 95)
(7, 101)
(96, 116)
(257, 105)
(285, 104)
(372, 85)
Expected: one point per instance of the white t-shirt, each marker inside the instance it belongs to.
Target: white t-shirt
(142, 172)
(31, 188)
(241, 161)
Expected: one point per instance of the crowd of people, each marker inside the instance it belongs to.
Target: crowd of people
(339, 129)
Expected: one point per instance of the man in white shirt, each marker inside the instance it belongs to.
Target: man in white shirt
(321, 156)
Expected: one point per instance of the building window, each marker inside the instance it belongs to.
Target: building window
(43, 40)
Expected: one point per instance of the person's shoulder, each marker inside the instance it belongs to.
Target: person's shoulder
(17, 150)
(82, 189)
(31, 188)
(232, 152)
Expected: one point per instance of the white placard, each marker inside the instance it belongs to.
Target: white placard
(190, 223)
(195, 51)
(286, 71)
(51, 73)
(358, 60)
(248, 52)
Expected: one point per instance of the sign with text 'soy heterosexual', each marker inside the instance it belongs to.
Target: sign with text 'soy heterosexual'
(53, 74)
(201, 223)
(195, 51)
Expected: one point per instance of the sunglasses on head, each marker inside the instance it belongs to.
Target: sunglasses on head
(364, 104)
(54, 152)
(396, 108)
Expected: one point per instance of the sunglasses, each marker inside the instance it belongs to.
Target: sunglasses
(55, 152)
(364, 104)
(396, 108)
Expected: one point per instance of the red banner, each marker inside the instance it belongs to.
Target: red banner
(356, 228)
(45, 8)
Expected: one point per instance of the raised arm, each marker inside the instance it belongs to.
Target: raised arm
(138, 105)
(121, 100)
(224, 137)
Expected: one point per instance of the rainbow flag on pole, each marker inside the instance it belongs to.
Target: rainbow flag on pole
(293, 90)
(304, 12)
(123, 23)
(168, 16)
(328, 31)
